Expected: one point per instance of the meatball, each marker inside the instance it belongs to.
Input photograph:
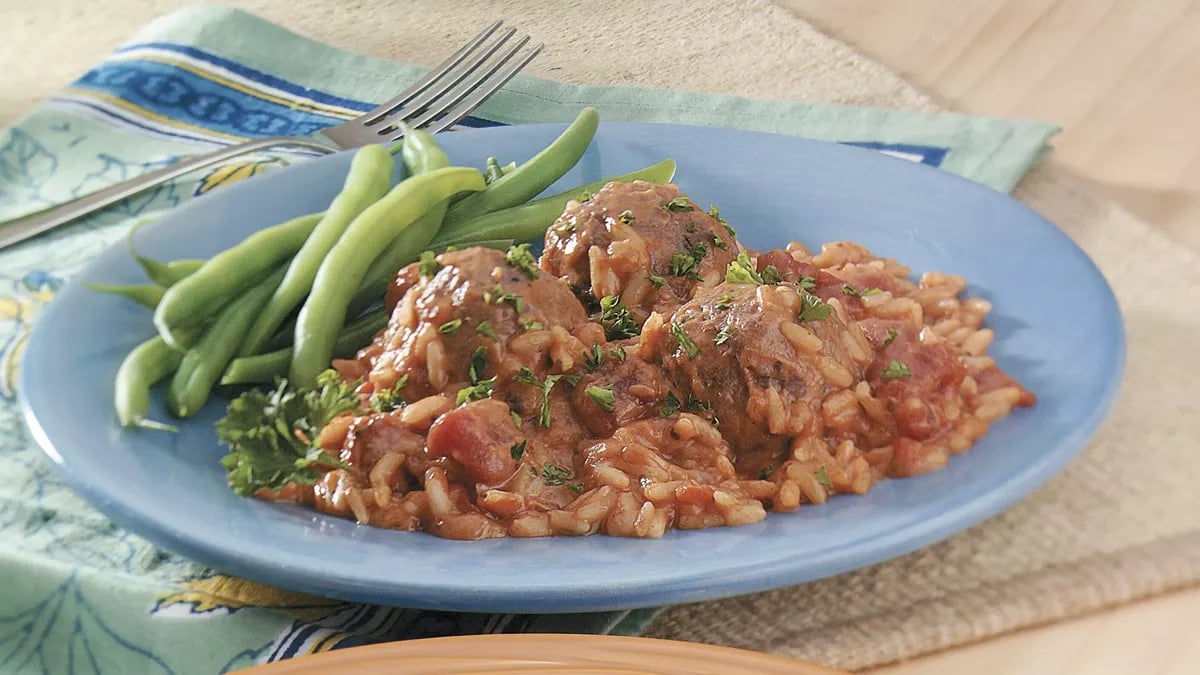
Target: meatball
(457, 326)
(622, 389)
(763, 359)
(643, 242)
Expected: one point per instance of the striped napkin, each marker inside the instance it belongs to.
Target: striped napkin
(208, 76)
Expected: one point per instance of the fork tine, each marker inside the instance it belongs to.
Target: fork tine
(468, 96)
(498, 80)
(429, 78)
(419, 118)
(449, 82)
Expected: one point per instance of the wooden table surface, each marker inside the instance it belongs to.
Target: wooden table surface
(1122, 77)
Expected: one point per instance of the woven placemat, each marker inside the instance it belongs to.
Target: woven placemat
(1122, 522)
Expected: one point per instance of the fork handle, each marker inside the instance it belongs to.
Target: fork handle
(47, 219)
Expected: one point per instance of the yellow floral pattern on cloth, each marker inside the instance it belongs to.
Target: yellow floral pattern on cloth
(222, 593)
(318, 624)
(19, 305)
(234, 172)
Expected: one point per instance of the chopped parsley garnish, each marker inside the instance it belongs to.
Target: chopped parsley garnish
(741, 271)
(575, 487)
(679, 205)
(716, 214)
(428, 264)
(481, 389)
(521, 258)
(498, 296)
(684, 263)
(656, 280)
(565, 228)
(671, 404)
(719, 242)
(516, 418)
(603, 396)
(450, 327)
(691, 228)
(478, 363)
(891, 336)
(517, 451)
(813, 308)
(617, 353)
(723, 335)
(807, 283)
(585, 197)
(616, 318)
(387, 400)
(765, 472)
(554, 475)
(771, 275)
(681, 336)
(694, 404)
(856, 293)
(896, 370)
(526, 376)
(485, 329)
(593, 357)
(822, 477)
(626, 217)
(723, 301)
(531, 325)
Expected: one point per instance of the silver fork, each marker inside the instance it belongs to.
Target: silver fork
(439, 99)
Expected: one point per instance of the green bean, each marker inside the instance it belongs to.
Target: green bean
(368, 180)
(147, 295)
(148, 363)
(535, 175)
(421, 154)
(163, 274)
(492, 171)
(264, 368)
(343, 270)
(203, 364)
(529, 221)
(167, 274)
(282, 337)
(196, 298)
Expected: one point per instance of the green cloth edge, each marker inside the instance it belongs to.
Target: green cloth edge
(993, 151)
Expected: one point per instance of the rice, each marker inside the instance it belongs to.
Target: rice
(838, 427)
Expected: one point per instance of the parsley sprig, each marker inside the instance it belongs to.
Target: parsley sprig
(271, 435)
(896, 370)
(616, 318)
(428, 264)
(387, 400)
(813, 308)
(684, 341)
(526, 376)
(603, 396)
(522, 258)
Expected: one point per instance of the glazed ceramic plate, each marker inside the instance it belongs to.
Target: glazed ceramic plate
(529, 654)
(1057, 324)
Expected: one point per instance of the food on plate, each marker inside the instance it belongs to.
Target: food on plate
(514, 396)
(426, 370)
(290, 297)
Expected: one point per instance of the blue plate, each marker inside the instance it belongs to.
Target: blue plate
(1058, 331)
